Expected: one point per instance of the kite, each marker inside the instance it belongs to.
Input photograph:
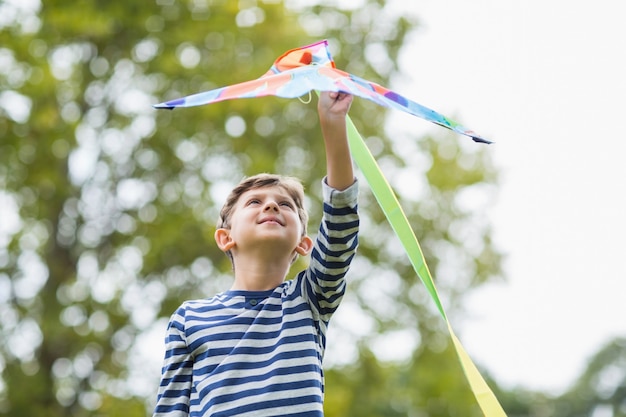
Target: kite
(300, 70)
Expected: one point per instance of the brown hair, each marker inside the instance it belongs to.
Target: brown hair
(292, 185)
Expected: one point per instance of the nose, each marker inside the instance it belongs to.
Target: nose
(271, 206)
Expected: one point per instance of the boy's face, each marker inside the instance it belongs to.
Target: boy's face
(267, 218)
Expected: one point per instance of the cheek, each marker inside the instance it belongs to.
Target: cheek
(301, 228)
(302, 223)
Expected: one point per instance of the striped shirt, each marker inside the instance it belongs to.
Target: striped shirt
(259, 353)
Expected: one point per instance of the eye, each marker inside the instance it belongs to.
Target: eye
(286, 204)
(253, 201)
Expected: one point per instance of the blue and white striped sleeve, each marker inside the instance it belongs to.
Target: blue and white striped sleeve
(177, 372)
(333, 251)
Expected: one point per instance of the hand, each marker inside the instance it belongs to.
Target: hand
(333, 104)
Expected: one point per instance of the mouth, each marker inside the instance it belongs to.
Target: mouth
(271, 220)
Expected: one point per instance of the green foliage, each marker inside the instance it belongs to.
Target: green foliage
(108, 207)
(602, 386)
(430, 384)
(599, 390)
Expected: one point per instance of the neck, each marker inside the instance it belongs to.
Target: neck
(252, 274)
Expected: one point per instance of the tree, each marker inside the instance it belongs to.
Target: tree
(108, 207)
(601, 388)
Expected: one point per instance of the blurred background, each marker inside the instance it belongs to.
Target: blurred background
(108, 207)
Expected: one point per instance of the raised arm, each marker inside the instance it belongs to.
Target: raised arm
(332, 108)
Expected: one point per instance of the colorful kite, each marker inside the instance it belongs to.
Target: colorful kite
(301, 70)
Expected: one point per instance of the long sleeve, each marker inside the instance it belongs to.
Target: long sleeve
(334, 249)
(176, 376)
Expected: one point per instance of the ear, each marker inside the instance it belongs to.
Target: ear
(223, 240)
(305, 246)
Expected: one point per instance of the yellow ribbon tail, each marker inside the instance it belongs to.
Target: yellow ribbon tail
(486, 399)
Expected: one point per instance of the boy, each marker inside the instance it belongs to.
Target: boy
(257, 349)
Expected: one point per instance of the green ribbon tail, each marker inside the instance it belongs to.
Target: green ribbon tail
(397, 219)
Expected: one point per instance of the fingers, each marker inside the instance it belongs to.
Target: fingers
(334, 102)
(337, 95)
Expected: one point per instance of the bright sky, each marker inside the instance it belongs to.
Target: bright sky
(546, 80)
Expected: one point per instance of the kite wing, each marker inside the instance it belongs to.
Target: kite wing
(301, 70)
